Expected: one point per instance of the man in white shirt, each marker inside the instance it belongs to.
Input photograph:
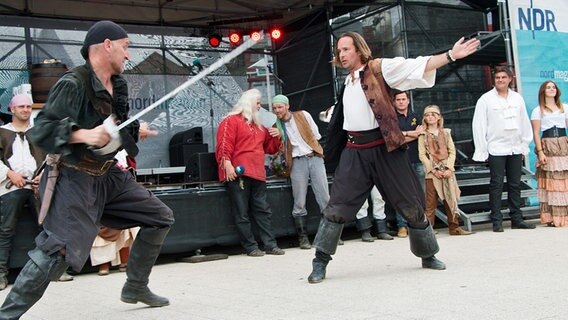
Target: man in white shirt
(364, 142)
(501, 134)
(304, 158)
(19, 160)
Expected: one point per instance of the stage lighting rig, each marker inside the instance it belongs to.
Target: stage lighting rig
(235, 38)
(275, 33)
(255, 36)
(214, 40)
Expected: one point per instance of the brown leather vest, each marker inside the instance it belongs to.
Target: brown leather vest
(307, 136)
(7, 138)
(378, 95)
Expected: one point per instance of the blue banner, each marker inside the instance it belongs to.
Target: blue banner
(540, 45)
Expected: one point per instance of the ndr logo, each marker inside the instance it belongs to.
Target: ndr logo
(536, 19)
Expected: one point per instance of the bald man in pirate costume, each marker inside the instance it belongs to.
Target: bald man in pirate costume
(90, 190)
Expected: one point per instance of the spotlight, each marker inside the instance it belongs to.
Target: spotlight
(275, 33)
(214, 40)
(235, 38)
(256, 36)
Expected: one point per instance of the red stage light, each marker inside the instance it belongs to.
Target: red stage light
(256, 36)
(214, 40)
(275, 34)
(235, 38)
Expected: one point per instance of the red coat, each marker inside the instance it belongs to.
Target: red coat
(244, 144)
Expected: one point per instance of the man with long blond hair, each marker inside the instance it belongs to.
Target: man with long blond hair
(364, 140)
(242, 142)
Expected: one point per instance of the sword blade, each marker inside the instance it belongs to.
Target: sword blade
(216, 65)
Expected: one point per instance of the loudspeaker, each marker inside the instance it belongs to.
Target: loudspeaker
(190, 136)
(180, 154)
(201, 167)
(185, 143)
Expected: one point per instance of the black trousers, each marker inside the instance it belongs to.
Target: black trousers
(249, 202)
(499, 167)
(391, 172)
(81, 203)
(12, 206)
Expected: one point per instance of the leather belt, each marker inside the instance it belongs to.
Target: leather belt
(554, 132)
(309, 155)
(364, 137)
(91, 167)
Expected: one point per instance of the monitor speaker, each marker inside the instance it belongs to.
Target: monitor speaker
(201, 167)
(185, 143)
(180, 154)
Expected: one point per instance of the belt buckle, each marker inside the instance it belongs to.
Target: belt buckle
(107, 165)
(350, 139)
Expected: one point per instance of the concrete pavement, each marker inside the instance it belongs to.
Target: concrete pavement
(518, 274)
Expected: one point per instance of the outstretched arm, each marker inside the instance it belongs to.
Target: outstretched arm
(460, 50)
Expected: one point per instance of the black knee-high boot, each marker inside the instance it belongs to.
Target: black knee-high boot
(423, 244)
(143, 255)
(325, 243)
(32, 282)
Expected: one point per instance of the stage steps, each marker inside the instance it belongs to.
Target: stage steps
(473, 205)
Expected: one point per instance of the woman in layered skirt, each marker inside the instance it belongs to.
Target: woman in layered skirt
(549, 121)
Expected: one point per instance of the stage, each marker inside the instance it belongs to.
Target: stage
(202, 212)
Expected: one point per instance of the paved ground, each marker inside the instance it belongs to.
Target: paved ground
(518, 274)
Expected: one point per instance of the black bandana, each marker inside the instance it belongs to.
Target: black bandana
(99, 32)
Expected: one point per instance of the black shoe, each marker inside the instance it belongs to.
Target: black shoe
(367, 237)
(318, 272)
(275, 251)
(3, 281)
(255, 253)
(498, 228)
(522, 225)
(384, 236)
(433, 263)
(304, 242)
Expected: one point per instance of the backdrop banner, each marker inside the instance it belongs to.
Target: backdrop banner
(539, 30)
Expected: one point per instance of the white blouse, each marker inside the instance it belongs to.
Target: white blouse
(550, 119)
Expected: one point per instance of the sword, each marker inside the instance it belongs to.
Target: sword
(49, 186)
(216, 65)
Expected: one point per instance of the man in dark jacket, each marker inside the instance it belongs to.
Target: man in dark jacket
(90, 189)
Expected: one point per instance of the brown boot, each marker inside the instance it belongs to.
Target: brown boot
(124, 253)
(402, 232)
(454, 222)
(104, 269)
(459, 232)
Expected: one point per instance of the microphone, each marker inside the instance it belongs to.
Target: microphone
(240, 170)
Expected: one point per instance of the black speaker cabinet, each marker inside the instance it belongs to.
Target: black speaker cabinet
(190, 136)
(201, 167)
(185, 143)
(179, 155)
